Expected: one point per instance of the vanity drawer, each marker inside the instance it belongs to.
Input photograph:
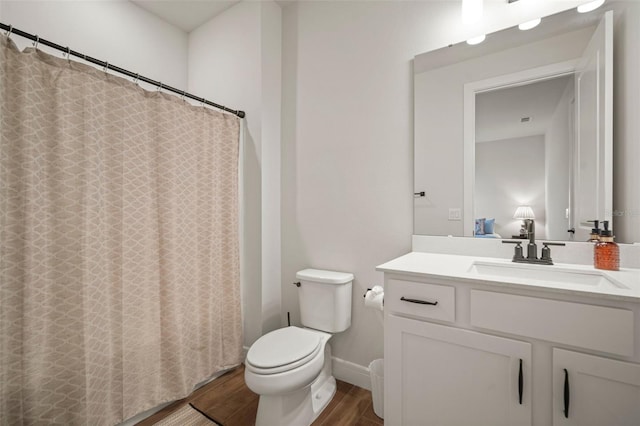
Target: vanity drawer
(404, 297)
(577, 324)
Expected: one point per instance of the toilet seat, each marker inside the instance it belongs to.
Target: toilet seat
(283, 350)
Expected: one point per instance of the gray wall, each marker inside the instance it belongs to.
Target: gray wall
(347, 146)
(510, 173)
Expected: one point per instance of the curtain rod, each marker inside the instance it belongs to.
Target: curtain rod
(10, 30)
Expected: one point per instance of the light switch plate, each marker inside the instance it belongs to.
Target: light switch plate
(455, 214)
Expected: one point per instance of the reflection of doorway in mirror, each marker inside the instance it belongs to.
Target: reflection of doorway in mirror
(523, 136)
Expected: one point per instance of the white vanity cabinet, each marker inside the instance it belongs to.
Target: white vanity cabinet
(442, 375)
(454, 348)
(594, 390)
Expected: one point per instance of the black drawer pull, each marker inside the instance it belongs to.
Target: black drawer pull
(566, 393)
(520, 383)
(420, 302)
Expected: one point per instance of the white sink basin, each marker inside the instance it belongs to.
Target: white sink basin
(548, 274)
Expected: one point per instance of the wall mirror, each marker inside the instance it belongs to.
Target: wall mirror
(522, 120)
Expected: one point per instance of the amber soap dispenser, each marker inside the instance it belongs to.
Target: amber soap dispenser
(606, 254)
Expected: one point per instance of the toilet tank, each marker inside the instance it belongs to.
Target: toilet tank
(325, 299)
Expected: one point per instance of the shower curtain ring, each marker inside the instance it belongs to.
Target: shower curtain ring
(183, 92)
(135, 80)
(160, 87)
(8, 34)
(35, 44)
(106, 67)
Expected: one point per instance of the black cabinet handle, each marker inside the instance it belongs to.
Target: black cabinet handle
(420, 302)
(520, 383)
(566, 393)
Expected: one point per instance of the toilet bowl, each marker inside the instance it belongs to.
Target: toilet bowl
(285, 360)
(290, 368)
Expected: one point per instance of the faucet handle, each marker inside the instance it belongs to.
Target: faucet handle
(517, 255)
(546, 251)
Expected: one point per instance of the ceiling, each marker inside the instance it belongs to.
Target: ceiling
(186, 14)
(499, 112)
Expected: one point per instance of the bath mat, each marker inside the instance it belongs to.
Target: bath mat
(188, 415)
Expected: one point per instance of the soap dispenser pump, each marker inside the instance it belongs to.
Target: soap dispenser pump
(594, 236)
(606, 254)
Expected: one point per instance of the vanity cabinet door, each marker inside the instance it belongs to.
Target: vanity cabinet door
(440, 375)
(593, 390)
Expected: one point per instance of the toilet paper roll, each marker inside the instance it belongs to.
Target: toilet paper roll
(374, 298)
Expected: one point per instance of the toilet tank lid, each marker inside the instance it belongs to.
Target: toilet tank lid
(322, 276)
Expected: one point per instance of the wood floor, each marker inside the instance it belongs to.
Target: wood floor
(229, 401)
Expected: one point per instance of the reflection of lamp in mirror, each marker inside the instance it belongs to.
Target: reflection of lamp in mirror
(524, 213)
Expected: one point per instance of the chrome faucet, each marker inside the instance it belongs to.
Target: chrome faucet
(532, 248)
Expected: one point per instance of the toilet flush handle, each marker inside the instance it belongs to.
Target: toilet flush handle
(297, 284)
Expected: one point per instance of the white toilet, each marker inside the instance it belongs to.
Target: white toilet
(290, 368)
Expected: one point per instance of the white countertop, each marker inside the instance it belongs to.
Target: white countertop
(623, 284)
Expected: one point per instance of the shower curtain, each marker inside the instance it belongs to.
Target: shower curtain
(119, 259)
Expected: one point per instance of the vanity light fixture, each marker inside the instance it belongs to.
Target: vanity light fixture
(588, 7)
(476, 40)
(471, 11)
(529, 24)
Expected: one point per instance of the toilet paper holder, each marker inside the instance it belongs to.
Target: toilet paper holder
(378, 297)
(365, 293)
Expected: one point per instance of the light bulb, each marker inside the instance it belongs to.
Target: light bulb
(530, 24)
(471, 11)
(588, 7)
(476, 40)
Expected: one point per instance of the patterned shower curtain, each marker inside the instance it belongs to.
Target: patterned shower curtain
(119, 259)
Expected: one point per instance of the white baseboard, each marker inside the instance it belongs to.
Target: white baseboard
(351, 373)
